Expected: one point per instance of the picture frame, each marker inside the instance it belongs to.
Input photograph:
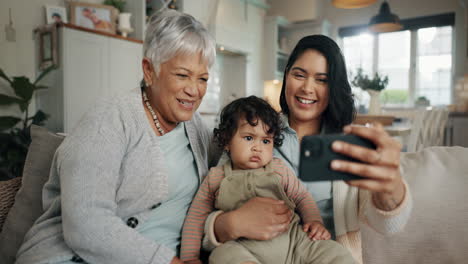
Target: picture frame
(94, 16)
(56, 14)
(48, 54)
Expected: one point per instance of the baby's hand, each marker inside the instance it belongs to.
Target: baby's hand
(316, 231)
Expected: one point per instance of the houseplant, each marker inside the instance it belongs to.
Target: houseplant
(14, 131)
(373, 86)
(119, 4)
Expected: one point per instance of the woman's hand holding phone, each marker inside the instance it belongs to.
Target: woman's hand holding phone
(379, 167)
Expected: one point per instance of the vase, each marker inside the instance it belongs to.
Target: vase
(374, 104)
(124, 23)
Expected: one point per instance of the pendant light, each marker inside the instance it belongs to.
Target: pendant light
(385, 21)
(349, 4)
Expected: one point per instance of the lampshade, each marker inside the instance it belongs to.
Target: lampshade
(385, 21)
(349, 4)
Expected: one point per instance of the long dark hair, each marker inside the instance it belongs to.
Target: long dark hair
(340, 110)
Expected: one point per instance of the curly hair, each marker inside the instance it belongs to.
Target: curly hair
(252, 109)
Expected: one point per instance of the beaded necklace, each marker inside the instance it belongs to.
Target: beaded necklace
(153, 114)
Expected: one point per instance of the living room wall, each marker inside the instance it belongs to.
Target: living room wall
(19, 57)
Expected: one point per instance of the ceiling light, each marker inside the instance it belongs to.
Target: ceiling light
(385, 21)
(349, 4)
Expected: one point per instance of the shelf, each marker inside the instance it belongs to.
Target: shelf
(102, 33)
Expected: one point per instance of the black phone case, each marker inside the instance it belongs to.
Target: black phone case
(316, 155)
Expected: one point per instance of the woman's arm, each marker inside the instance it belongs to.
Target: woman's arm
(385, 199)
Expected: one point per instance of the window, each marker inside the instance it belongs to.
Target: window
(434, 64)
(417, 61)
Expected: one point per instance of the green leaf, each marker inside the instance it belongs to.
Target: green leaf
(24, 105)
(8, 100)
(39, 118)
(3, 75)
(23, 87)
(8, 122)
(44, 73)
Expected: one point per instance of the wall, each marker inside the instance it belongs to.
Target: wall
(297, 10)
(20, 57)
(409, 9)
(238, 26)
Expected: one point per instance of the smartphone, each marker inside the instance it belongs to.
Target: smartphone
(316, 155)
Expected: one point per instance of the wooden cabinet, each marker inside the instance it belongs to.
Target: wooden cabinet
(456, 133)
(92, 67)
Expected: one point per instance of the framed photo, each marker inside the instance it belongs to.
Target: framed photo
(94, 16)
(48, 54)
(56, 14)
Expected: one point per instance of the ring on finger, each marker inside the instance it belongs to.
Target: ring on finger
(379, 157)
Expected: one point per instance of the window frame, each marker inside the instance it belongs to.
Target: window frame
(411, 25)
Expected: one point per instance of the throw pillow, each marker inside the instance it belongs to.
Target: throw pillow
(436, 231)
(28, 203)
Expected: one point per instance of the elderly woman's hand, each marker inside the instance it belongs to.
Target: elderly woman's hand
(381, 168)
(260, 218)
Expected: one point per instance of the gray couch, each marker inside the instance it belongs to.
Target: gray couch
(436, 233)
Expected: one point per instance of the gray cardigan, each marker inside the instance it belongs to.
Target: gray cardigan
(106, 177)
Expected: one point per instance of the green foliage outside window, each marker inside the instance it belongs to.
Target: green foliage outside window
(394, 96)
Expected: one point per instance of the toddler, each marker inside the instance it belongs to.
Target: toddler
(249, 129)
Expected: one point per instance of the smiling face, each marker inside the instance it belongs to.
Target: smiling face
(251, 147)
(177, 91)
(307, 87)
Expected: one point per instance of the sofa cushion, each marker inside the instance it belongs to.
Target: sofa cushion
(28, 202)
(436, 231)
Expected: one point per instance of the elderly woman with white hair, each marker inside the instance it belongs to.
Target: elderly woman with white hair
(121, 183)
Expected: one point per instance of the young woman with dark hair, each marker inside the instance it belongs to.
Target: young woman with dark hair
(316, 99)
(340, 110)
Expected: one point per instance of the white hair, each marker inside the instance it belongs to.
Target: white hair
(170, 33)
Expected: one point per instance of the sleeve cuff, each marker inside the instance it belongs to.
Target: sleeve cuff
(209, 240)
(390, 222)
(399, 208)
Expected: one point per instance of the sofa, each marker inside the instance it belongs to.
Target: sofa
(436, 232)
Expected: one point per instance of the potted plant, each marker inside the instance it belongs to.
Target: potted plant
(14, 131)
(119, 4)
(373, 86)
(422, 101)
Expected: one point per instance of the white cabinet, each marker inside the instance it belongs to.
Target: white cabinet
(276, 51)
(92, 67)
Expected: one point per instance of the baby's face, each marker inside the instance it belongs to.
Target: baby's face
(251, 147)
